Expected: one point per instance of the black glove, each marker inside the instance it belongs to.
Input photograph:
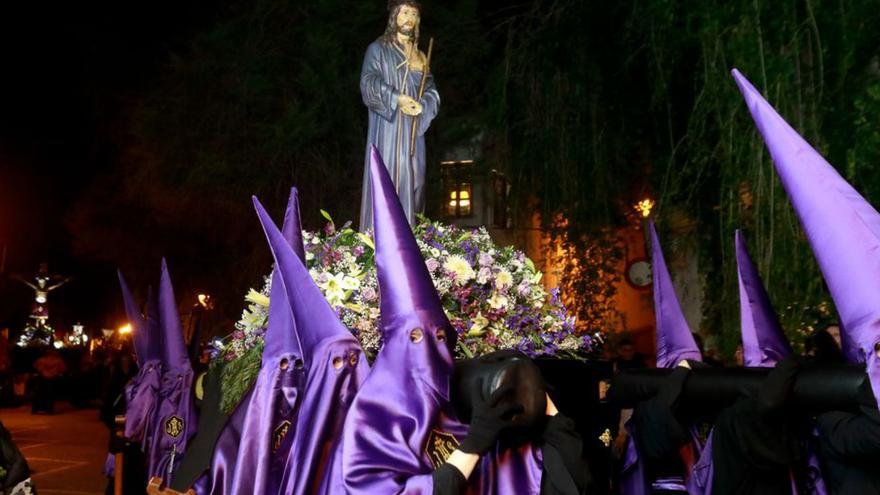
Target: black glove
(489, 418)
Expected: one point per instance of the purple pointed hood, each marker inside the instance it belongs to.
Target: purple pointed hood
(147, 344)
(281, 336)
(403, 400)
(314, 319)
(174, 355)
(141, 392)
(764, 343)
(842, 227)
(175, 419)
(674, 338)
(410, 308)
(292, 226)
(334, 368)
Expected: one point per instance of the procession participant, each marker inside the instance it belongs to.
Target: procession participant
(763, 345)
(662, 447)
(50, 367)
(843, 230)
(393, 73)
(141, 392)
(174, 421)
(402, 434)
(308, 458)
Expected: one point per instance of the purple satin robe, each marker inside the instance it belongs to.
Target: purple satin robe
(142, 391)
(175, 420)
(401, 425)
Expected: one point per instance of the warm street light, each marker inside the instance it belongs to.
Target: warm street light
(125, 329)
(644, 207)
(205, 301)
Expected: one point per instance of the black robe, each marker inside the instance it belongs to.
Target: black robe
(756, 441)
(849, 448)
(14, 466)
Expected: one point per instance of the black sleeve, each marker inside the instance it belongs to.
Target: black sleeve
(448, 480)
(660, 431)
(849, 436)
(565, 472)
(755, 442)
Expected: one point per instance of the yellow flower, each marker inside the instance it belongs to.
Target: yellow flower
(497, 301)
(257, 298)
(478, 327)
(503, 279)
(460, 267)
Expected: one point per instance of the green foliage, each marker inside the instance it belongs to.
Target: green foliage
(598, 95)
(238, 376)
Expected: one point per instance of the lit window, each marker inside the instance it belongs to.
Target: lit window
(458, 203)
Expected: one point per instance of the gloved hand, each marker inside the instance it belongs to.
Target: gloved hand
(489, 418)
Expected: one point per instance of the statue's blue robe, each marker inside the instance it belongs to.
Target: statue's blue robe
(384, 76)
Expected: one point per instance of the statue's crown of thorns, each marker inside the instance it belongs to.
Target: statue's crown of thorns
(393, 4)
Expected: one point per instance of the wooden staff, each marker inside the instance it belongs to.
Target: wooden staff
(119, 466)
(425, 69)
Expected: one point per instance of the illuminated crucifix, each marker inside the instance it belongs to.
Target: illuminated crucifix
(43, 283)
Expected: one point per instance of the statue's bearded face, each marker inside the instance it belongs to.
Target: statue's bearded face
(407, 20)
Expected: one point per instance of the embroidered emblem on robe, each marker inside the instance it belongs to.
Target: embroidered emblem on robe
(439, 447)
(174, 426)
(279, 434)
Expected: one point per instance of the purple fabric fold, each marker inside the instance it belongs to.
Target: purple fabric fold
(175, 420)
(764, 343)
(842, 227)
(401, 424)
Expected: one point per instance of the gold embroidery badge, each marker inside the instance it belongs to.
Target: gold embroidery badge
(605, 437)
(279, 434)
(440, 446)
(174, 426)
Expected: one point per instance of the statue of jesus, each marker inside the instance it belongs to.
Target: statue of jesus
(390, 79)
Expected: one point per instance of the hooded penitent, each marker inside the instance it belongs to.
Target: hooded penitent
(175, 419)
(843, 229)
(306, 457)
(401, 425)
(252, 445)
(141, 393)
(675, 343)
(763, 342)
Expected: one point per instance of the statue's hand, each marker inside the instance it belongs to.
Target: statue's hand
(409, 106)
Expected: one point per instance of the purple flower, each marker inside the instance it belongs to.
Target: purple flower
(486, 259)
(368, 294)
(432, 264)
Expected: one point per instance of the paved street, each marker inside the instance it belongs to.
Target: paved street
(66, 451)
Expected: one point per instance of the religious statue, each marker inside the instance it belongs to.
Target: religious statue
(398, 89)
(43, 284)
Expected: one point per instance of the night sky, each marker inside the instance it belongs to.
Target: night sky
(72, 71)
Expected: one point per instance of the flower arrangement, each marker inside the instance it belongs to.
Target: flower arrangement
(492, 295)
